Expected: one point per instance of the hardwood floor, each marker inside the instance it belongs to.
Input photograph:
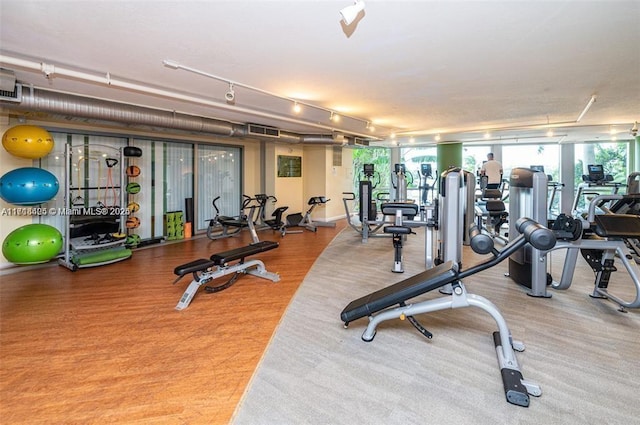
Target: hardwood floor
(105, 344)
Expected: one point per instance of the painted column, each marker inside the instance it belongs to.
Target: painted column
(449, 154)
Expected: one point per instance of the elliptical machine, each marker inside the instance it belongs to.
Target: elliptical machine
(368, 207)
(426, 188)
(401, 182)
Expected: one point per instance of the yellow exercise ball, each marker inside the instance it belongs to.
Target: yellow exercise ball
(27, 141)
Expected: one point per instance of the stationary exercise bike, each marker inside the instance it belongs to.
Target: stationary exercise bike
(306, 221)
(223, 226)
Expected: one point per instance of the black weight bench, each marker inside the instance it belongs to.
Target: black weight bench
(194, 266)
(226, 257)
(218, 265)
(378, 305)
(398, 293)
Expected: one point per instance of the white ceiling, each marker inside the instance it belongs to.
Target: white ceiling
(416, 68)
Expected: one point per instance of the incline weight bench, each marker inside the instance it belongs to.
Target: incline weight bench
(517, 389)
(205, 271)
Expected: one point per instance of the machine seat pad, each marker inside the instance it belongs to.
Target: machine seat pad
(618, 225)
(397, 230)
(495, 206)
(492, 193)
(222, 258)
(408, 209)
(399, 292)
(201, 264)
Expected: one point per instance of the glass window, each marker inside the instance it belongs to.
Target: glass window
(546, 156)
(420, 187)
(177, 175)
(166, 179)
(381, 180)
(612, 157)
(219, 174)
(525, 156)
(473, 157)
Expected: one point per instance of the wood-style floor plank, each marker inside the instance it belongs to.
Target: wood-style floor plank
(105, 344)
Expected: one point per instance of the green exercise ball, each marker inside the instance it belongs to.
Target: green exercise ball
(32, 244)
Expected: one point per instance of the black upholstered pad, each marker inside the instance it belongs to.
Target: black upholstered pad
(193, 266)
(495, 206)
(407, 209)
(399, 292)
(618, 225)
(397, 230)
(225, 257)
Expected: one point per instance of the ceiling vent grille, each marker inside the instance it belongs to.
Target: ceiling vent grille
(358, 142)
(12, 96)
(261, 130)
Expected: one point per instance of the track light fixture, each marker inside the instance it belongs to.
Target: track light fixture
(634, 129)
(297, 105)
(350, 13)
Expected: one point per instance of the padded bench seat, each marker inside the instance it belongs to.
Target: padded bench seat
(408, 210)
(222, 258)
(398, 230)
(200, 264)
(409, 288)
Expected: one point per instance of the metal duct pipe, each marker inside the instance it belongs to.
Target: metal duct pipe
(84, 107)
(315, 139)
(39, 100)
(320, 139)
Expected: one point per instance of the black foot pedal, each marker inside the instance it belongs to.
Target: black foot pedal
(514, 389)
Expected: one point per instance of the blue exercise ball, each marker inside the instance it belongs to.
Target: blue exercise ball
(28, 186)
